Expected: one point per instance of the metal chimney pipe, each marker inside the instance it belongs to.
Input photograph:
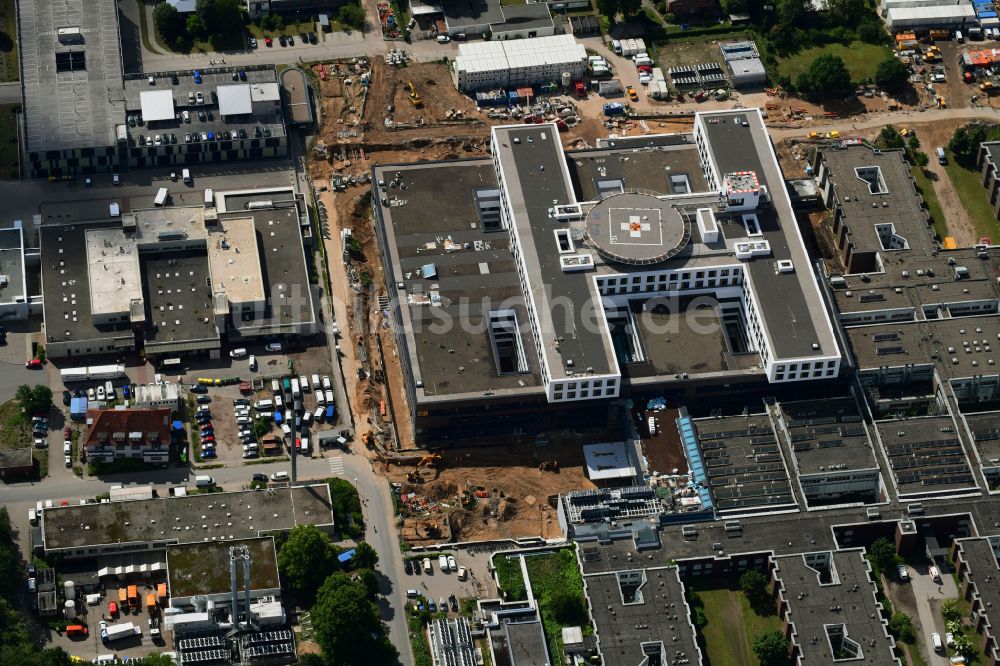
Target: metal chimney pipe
(246, 581)
(232, 584)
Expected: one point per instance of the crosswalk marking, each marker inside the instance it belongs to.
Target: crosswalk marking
(337, 465)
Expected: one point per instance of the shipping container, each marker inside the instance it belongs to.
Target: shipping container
(614, 109)
(114, 632)
(610, 87)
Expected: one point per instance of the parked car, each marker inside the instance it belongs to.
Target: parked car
(203, 399)
(903, 574)
(198, 388)
(258, 476)
(428, 567)
(452, 564)
(67, 398)
(935, 574)
(443, 563)
(408, 567)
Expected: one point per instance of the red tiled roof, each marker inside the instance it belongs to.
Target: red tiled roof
(111, 421)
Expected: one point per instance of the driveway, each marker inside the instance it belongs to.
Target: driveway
(928, 596)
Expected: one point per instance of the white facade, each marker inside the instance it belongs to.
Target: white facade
(521, 62)
(935, 16)
(14, 299)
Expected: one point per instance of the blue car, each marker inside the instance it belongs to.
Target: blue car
(125, 391)
(211, 136)
(208, 453)
(431, 606)
(197, 76)
(206, 433)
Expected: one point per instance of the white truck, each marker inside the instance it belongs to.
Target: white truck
(114, 632)
(296, 391)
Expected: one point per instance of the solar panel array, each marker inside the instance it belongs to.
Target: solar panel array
(71, 61)
(697, 75)
(205, 657)
(202, 643)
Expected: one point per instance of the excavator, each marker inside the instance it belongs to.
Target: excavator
(434, 459)
(413, 94)
(549, 466)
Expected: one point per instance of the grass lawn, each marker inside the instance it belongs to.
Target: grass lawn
(554, 575)
(8, 41)
(509, 575)
(511, 3)
(731, 623)
(926, 188)
(969, 187)
(294, 28)
(14, 430)
(861, 59)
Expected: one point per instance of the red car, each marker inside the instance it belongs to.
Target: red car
(67, 432)
(208, 438)
(34, 364)
(113, 609)
(267, 41)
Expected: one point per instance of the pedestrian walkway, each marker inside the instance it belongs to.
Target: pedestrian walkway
(337, 465)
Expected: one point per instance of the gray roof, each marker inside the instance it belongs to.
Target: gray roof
(21, 457)
(188, 519)
(985, 428)
(525, 17)
(982, 557)
(12, 265)
(743, 461)
(526, 643)
(827, 434)
(829, 596)
(431, 217)
(792, 299)
(531, 161)
(627, 619)
(925, 455)
(459, 13)
(79, 107)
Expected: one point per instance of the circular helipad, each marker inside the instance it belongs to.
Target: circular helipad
(635, 228)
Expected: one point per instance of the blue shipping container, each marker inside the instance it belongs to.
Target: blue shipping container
(329, 413)
(614, 109)
(277, 417)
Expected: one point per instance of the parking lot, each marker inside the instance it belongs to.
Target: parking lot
(91, 645)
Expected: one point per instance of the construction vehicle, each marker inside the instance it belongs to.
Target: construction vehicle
(632, 95)
(435, 459)
(987, 87)
(549, 466)
(414, 96)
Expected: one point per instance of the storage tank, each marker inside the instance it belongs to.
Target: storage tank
(567, 79)
(69, 609)
(69, 590)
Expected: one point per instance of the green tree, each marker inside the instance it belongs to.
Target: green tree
(195, 26)
(950, 610)
(220, 17)
(771, 648)
(921, 159)
(901, 627)
(828, 78)
(168, 21)
(155, 660)
(567, 607)
(755, 587)
(892, 74)
(612, 8)
(882, 554)
(346, 505)
(912, 142)
(890, 137)
(348, 626)
(792, 12)
(34, 400)
(369, 579)
(964, 143)
(963, 646)
(306, 559)
(365, 556)
(261, 427)
(352, 15)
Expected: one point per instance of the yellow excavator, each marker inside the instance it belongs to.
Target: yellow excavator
(413, 94)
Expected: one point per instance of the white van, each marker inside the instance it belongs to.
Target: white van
(238, 353)
(32, 517)
(209, 198)
(161, 197)
(318, 414)
(204, 481)
(958, 37)
(315, 381)
(186, 175)
(936, 642)
(262, 405)
(412, 594)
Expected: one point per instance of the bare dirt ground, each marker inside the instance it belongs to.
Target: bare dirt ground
(515, 500)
